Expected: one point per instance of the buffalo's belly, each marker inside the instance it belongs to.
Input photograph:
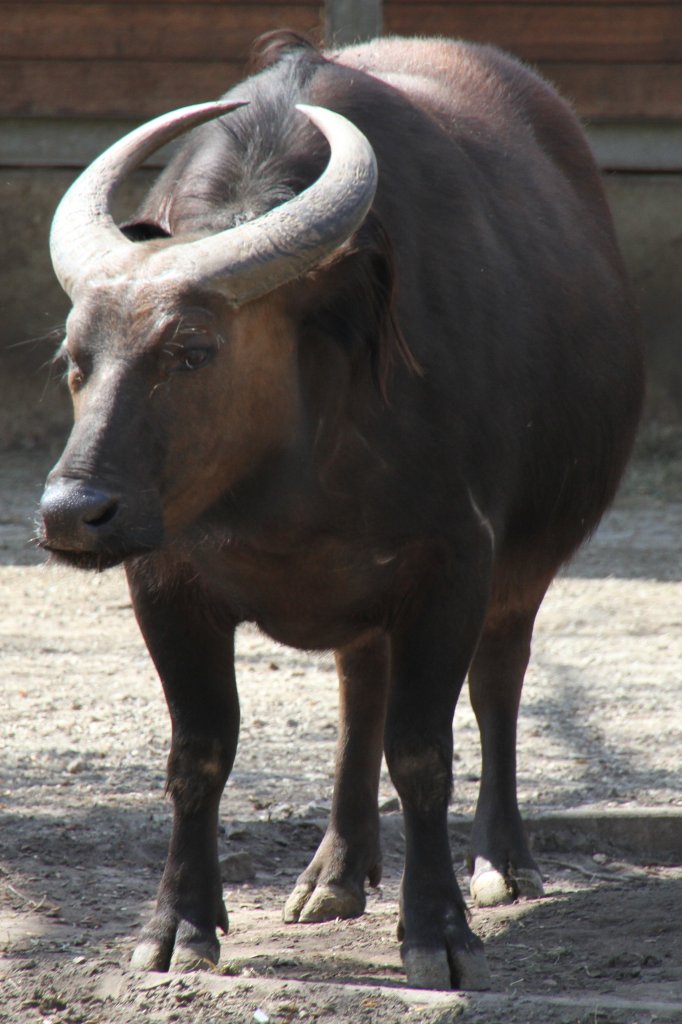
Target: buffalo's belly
(313, 632)
(317, 599)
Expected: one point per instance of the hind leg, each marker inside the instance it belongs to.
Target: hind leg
(502, 864)
(333, 884)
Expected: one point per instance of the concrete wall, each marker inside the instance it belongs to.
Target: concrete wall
(647, 210)
(33, 407)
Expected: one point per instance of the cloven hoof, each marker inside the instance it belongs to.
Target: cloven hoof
(188, 958)
(309, 904)
(430, 968)
(150, 955)
(492, 889)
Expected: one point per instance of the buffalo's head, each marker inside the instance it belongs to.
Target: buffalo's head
(181, 352)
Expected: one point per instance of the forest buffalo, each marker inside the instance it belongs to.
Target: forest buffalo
(362, 370)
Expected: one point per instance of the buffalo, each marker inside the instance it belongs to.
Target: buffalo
(363, 370)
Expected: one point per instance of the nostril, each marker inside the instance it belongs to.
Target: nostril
(77, 516)
(101, 514)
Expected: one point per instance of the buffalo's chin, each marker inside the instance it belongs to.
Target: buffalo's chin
(89, 561)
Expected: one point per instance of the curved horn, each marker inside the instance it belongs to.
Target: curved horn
(83, 229)
(259, 256)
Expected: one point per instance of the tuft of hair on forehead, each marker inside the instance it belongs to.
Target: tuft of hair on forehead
(240, 166)
(271, 47)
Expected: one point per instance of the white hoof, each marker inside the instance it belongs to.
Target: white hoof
(491, 889)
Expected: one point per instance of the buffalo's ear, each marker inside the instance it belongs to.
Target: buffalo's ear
(361, 311)
(143, 231)
(377, 281)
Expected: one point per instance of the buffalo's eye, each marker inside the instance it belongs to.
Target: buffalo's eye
(75, 376)
(188, 345)
(194, 358)
(73, 373)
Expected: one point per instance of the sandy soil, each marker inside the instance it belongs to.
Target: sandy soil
(85, 823)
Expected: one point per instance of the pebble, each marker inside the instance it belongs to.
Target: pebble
(390, 805)
(314, 809)
(237, 867)
(281, 811)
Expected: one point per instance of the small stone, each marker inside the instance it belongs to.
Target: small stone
(390, 805)
(261, 1017)
(312, 810)
(238, 833)
(236, 867)
(281, 811)
(230, 969)
(184, 998)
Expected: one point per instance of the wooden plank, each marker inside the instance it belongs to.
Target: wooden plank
(75, 142)
(58, 142)
(623, 92)
(567, 32)
(143, 31)
(637, 147)
(386, 3)
(351, 21)
(538, 31)
(139, 90)
(110, 88)
(512, 3)
(188, 3)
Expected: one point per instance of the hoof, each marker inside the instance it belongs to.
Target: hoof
(195, 949)
(189, 958)
(179, 948)
(427, 968)
(528, 883)
(471, 970)
(430, 968)
(490, 888)
(149, 956)
(310, 904)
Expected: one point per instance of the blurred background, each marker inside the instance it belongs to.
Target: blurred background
(75, 76)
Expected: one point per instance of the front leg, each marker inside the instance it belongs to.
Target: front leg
(195, 660)
(432, 645)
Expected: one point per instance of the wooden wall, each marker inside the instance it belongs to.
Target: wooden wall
(619, 60)
(130, 59)
(76, 74)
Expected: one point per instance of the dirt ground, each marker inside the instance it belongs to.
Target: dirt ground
(85, 822)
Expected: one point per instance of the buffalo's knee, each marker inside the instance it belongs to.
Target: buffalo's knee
(197, 772)
(422, 774)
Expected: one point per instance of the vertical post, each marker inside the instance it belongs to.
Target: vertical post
(352, 21)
